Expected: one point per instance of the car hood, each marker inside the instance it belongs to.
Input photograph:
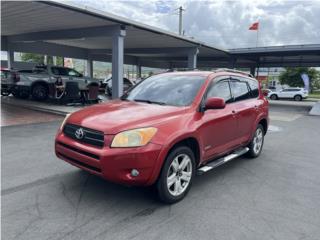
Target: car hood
(116, 116)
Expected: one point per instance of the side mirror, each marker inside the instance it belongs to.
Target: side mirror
(215, 103)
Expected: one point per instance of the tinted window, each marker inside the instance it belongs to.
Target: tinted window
(220, 89)
(239, 90)
(73, 73)
(177, 90)
(59, 71)
(254, 86)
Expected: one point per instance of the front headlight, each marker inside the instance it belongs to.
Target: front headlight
(64, 121)
(134, 138)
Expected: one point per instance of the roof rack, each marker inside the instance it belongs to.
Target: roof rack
(233, 71)
(181, 69)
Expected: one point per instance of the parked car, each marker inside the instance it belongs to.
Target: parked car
(36, 82)
(7, 81)
(107, 83)
(289, 93)
(166, 129)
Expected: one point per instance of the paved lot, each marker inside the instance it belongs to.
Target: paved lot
(12, 115)
(276, 196)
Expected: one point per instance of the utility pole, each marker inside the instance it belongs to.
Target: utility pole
(180, 19)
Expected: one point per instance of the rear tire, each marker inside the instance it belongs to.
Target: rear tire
(297, 98)
(256, 144)
(273, 97)
(40, 92)
(176, 175)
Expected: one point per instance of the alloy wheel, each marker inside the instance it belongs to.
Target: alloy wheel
(179, 174)
(257, 140)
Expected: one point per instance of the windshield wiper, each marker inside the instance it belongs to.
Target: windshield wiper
(149, 101)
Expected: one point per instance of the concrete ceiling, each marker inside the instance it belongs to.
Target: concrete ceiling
(29, 22)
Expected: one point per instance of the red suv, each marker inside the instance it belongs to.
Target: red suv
(167, 129)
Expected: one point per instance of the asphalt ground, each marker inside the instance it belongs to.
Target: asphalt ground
(14, 115)
(276, 196)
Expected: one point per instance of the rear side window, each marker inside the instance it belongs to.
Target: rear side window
(239, 90)
(59, 71)
(254, 87)
(220, 89)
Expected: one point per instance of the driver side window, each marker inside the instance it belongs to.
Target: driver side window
(73, 73)
(220, 89)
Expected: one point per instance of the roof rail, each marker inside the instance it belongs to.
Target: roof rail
(181, 69)
(233, 71)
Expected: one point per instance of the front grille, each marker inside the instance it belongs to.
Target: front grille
(90, 136)
(79, 151)
(80, 163)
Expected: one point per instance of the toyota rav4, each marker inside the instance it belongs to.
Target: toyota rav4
(167, 129)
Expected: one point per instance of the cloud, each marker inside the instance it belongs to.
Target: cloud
(225, 23)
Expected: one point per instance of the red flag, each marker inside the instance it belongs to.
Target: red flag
(254, 26)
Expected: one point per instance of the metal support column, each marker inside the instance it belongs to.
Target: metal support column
(10, 56)
(89, 67)
(192, 58)
(117, 63)
(253, 71)
(232, 63)
(139, 70)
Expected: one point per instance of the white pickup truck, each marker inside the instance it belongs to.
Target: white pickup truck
(296, 94)
(36, 82)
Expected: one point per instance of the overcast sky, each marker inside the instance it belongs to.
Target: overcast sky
(225, 23)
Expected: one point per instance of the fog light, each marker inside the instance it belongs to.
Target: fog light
(134, 172)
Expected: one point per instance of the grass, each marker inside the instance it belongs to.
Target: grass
(314, 95)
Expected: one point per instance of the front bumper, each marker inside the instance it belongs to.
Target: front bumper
(113, 164)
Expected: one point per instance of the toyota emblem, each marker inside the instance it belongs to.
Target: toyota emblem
(79, 133)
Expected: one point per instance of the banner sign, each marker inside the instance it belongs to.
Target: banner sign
(306, 81)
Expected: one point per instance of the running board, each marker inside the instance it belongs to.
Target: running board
(223, 160)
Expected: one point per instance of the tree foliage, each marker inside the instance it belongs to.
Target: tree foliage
(40, 59)
(32, 57)
(292, 77)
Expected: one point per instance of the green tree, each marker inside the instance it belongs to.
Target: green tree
(32, 57)
(39, 58)
(292, 77)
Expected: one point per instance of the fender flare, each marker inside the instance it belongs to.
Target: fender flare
(165, 150)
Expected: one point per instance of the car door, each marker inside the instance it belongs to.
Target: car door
(60, 72)
(78, 77)
(285, 93)
(218, 126)
(245, 107)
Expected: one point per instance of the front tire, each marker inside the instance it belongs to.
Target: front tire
(256, 144)
(176, 175)
(297, 98)
(273, 97)
(39, 92)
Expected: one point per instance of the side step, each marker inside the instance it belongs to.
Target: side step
(220, 161)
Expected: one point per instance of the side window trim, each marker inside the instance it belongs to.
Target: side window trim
(211, 84)
(215, 81)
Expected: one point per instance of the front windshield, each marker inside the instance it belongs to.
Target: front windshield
(176, 90)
